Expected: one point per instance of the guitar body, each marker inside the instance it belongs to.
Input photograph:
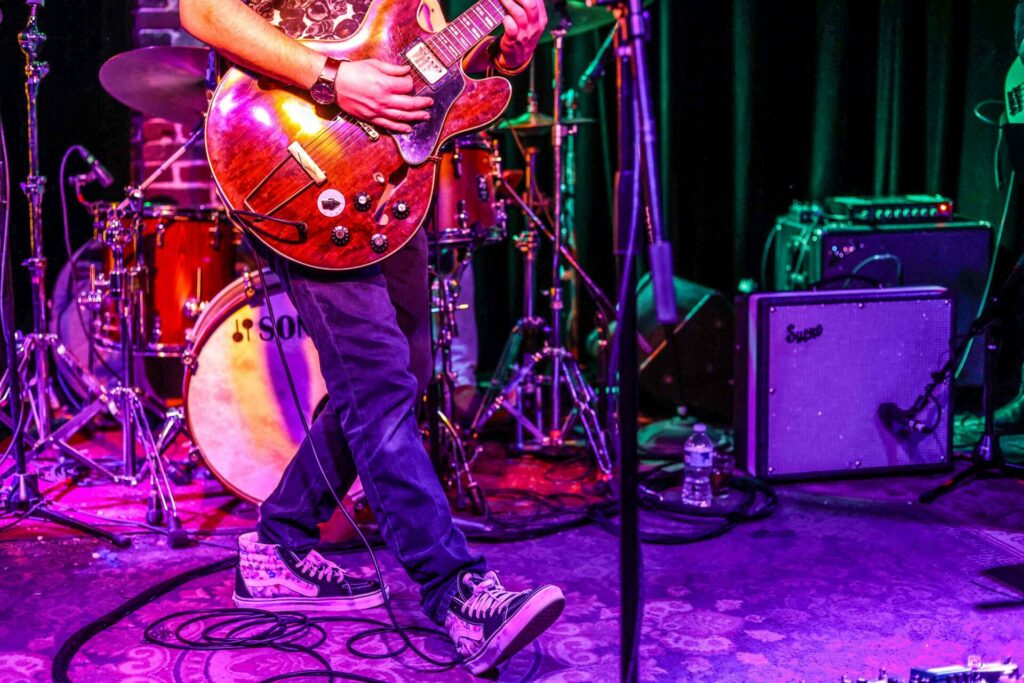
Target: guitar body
(361, 192)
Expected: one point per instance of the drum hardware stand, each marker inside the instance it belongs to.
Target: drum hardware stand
(508, 391)
(468, 491)
(37, 349)
(22, 497)
(124, 286)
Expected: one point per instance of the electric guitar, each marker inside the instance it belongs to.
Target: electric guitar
(324, 189)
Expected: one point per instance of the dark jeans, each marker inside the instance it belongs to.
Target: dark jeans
(371, 328)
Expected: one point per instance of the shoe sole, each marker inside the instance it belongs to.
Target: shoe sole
(532, 619)
(300, 604)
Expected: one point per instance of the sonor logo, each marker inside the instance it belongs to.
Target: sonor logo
(794, 336)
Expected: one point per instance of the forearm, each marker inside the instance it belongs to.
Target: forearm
(240, 34)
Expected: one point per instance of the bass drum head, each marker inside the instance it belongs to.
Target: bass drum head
(238, 405)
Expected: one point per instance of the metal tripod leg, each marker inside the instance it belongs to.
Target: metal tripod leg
(163, 507)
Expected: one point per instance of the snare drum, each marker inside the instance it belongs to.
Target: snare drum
(467, 211)
(186, 257)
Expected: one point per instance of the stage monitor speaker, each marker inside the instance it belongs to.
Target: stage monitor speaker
(837, 254)
(813, 368)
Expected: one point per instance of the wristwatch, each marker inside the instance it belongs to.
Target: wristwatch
(322, 91)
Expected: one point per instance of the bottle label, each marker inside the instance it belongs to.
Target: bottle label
(699, 458)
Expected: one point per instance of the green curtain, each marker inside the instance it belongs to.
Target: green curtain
(761, 103)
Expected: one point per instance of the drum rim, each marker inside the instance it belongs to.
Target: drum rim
(226, 301)
(217, 213)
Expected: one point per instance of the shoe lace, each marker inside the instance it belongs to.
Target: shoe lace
(320, 568)
(488, 597)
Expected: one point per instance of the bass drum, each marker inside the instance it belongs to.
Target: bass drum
(238, 406)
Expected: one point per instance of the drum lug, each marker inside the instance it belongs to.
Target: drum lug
(215, 237)
(250, 280)
(193, 307)
(457, 162)
(188, 360)
(462, 217)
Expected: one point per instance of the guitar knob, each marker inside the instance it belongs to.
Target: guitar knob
(401, 209)
(340, 236)
(379, 243)
(363, 202)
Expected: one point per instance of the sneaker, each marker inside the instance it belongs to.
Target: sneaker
(489, 624)
(271, 577)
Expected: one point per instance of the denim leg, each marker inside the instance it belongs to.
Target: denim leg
(409, 290)
(302, 500)
(365, 360)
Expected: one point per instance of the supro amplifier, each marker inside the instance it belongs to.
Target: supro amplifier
(814, 370)
(827, 251)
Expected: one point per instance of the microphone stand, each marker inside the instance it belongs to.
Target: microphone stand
(987, 456)
(637, 194)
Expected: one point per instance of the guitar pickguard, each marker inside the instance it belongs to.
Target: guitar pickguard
(418, 146)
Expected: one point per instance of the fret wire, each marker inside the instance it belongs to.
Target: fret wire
(473, 30)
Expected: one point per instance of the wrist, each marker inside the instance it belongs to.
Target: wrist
(323, 91)
(505, 66)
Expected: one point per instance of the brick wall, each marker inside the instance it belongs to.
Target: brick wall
(187, 182)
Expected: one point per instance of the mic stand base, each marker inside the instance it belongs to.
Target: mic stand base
(987, 457)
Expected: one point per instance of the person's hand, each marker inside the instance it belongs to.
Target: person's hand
(524, 26)
(379, 93)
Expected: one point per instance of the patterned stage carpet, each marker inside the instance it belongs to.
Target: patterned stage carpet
(845, 578)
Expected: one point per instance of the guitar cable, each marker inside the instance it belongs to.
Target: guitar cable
(293, 390)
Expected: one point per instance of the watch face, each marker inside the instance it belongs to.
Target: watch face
(322, 93)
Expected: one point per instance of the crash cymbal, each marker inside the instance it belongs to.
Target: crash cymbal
(164, 81)
(537, 122)
(583, 18)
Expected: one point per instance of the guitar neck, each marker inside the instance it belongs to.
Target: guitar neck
(455, 40)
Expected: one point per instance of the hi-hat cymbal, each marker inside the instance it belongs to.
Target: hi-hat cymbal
(583, 18)
(164, 81)
(537, 122)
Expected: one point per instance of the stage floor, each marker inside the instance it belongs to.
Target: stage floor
(845, 578)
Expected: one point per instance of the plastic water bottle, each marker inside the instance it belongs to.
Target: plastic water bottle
(698, 455)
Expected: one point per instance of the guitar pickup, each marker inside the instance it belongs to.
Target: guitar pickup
(315, 173)
(426, 63)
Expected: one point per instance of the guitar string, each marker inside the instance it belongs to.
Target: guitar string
(324, 138)
(317, 143)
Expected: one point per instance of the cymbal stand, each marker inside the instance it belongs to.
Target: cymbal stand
(39, 348)
(509, 385)
(448, 436)
(22, 497)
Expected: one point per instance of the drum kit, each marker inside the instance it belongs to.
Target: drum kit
(166, 290)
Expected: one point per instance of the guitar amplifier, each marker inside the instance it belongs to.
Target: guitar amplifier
(813, 369)
(837, 252)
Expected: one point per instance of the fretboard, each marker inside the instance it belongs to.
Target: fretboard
(457, 38)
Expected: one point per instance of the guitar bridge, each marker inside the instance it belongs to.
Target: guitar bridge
(315, 173)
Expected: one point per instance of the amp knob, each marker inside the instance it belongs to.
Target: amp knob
(401, 209)
(379, 243)
(363, 202)
(340, 235)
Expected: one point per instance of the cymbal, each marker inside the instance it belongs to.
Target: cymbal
(164, 81)
(537, 122)
(583, 18)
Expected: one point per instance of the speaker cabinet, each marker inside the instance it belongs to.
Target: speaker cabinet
(813, 368)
